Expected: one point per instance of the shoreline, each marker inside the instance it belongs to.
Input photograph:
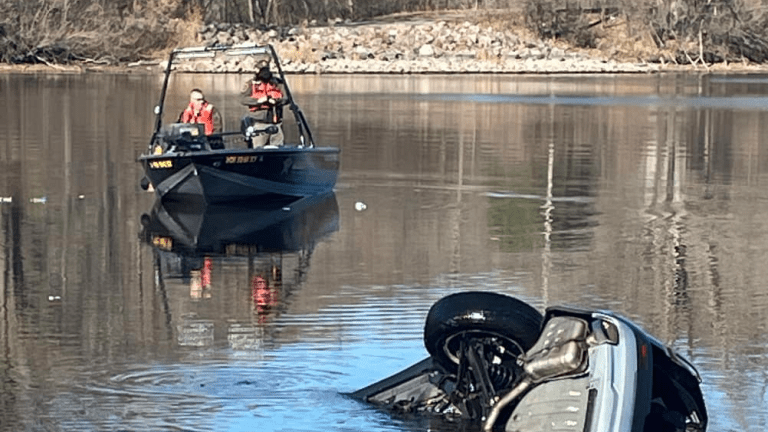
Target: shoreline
(406, 46)
(355, 68)
(412, 67)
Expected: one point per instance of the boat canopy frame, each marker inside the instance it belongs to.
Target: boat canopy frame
(187, 53)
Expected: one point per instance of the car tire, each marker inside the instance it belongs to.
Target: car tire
(480, 314)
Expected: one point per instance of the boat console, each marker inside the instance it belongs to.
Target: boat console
(185, 137)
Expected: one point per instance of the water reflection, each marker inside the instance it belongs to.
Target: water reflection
(208, 248)
(191, 229)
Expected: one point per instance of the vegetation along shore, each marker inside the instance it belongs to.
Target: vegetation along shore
(397, 36)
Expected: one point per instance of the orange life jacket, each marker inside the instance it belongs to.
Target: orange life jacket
(270, 91)
(205, 116)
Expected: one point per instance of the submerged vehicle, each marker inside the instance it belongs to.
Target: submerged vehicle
(495, 361)
(183, 162)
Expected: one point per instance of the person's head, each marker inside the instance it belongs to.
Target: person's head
(196, 98)
(264, 75)
(260, 282)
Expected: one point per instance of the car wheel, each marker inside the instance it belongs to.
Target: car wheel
(512, 322)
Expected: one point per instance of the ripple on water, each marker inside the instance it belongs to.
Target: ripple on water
(179, 396)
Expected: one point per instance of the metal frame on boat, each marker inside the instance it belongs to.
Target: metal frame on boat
(182, 162)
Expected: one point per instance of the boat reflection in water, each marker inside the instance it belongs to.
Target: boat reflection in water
(221, 252)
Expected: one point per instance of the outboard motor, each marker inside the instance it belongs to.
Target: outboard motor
(180, 137)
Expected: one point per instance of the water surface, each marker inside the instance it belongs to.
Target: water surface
(641, 194)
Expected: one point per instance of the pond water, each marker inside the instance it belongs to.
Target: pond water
(646, 195)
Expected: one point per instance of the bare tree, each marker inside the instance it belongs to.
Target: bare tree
(110, 31)
(64, 31)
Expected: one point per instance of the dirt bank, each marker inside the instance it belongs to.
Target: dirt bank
(414, 44)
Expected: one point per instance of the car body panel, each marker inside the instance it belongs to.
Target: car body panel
(560, 405)
(607, 376)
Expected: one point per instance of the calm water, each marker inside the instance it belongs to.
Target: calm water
(647, 195)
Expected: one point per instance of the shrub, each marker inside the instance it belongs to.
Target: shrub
(51, 31)
(549, 19)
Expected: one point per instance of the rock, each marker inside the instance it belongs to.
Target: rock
(362, 53)
(426, 50)
(440, 46)
(223, 38)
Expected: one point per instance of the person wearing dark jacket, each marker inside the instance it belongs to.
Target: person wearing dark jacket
(263, 97)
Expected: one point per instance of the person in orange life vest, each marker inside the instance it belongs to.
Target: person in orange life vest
(200, 280)
(200, 111)
(264, 297)
(261, 94)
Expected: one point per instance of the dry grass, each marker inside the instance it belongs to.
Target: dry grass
(56, 32)
(302, 54)
(618, 40)
(183, 31)
(680, 31)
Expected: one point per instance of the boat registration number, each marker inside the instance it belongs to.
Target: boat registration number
(240, 159)
(166, 163)
(164, 243)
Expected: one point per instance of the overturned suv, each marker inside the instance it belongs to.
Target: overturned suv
(496, 362)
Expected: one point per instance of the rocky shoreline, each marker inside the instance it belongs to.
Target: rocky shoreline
(426, 46)
(407, 47)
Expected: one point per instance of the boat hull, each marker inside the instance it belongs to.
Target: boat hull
(285, 226)
(219, 176)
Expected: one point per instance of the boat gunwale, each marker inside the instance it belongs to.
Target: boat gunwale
(233, 152)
